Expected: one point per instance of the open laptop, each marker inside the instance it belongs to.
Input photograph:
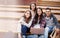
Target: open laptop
(37, 30)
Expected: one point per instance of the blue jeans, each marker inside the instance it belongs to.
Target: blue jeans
(24, 29)
(35, 36)
(41, 36)
(24, 36)
(48, 29)
(30, 36)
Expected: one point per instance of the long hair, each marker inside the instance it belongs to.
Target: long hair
(27, 21)
(35, 7)
(36, 16)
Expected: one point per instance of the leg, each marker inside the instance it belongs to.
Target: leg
(24, 29)
(46, 32)
(23, 36)
(41, 36)
(32, 36)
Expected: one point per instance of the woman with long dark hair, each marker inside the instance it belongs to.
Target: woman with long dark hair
(24, 24)
(33, 9)
(39, 18)
(38, 22)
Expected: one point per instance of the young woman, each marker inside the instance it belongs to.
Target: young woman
(56, 32)
(51, 21)
(38, 19)
(33, 9)
(38, 22)
(24, 24)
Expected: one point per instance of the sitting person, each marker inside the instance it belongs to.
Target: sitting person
(38, 22)
(56, 32)
(24, 24)
(51, 21)
(38, 19)
(33, 9)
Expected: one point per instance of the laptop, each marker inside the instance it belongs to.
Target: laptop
(37, 30)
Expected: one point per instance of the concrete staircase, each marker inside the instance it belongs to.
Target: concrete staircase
(8, 35)
(10, 15)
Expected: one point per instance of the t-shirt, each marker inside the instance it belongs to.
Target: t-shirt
(49, 21)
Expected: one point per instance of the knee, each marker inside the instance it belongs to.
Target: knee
(46, 28)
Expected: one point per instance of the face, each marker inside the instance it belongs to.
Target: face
(48, 12)
(32, 6)
(39, 11)
(27, 14)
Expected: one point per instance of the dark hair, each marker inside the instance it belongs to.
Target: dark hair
(29, 17)
(48, 9)
(36, 16)
(35, 6)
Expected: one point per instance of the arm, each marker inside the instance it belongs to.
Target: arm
(54, 36)
(52, 33)
(19, 35)
(19, 29)
(28, 24)
(43, 23)
(55, 20)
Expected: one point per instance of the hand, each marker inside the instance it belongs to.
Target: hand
(51, 36)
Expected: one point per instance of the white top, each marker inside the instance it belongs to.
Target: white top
(33, 14)
(22, 21)
(37, 25)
